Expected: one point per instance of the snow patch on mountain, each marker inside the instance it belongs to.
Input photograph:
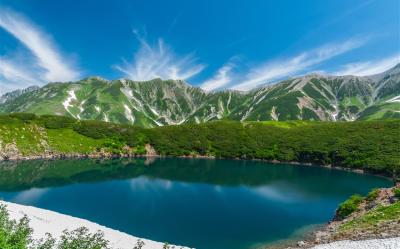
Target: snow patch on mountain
(394, 100)
(128, 114)
(67, 102)
(274, 115)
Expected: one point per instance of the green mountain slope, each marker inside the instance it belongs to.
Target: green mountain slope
(157, 102)
(372, 146)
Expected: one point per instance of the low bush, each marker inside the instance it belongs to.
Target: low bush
(57, 122)
(372, 195)
(396, 192)
(114, 145)
(17, 235)
(24, 116)
(13, 234)
(96, 129)
(349, 206)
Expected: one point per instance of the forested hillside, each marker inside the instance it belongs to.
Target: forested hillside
(368, 145)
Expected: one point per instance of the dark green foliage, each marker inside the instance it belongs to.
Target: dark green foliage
(396, 192)
(81, 238)
(391, 115)
(17, 235)
(309, 114)
(96, 129)
(372, 195)
(13, 235)
(371, 146)
(349, 206)
(132, 135)
(57, 122)
(367, 145)
(114, 145)
(23, 116)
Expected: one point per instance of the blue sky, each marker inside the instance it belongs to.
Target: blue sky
(221, 44)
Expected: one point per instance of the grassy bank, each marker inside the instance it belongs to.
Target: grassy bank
(367, 145)
(375, 216)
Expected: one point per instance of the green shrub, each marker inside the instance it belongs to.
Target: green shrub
(96, 129)
(349, 206)
(17, 235)
(13, 234)
(23, 116)
(114, 145)
(82, 239)
(372, 195)
(140, 150)
(57, 122)
(396, 192)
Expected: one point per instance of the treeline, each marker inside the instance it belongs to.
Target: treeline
(373, 146)
(368, 145)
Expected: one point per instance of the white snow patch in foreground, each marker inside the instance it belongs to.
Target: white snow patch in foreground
(44, 221)
(393, 243)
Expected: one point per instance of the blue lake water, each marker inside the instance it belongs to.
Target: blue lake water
(207, 204)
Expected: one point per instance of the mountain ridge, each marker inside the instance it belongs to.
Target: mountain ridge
(160, 102)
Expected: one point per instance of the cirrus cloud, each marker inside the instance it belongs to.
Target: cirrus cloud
(278, 69)
(220, 79)
(371, 67)
(159, 61)
(43, 62)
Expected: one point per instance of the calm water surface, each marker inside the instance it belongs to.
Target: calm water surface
(207, 204)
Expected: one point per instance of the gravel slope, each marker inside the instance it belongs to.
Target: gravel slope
(393, 243)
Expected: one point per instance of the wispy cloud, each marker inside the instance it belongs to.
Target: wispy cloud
(49, 64)
(159, 61)
(274, 70)
(366, 68)
(220, 79)
(13, 75)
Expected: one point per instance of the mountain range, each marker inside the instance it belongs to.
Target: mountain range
(169, 102)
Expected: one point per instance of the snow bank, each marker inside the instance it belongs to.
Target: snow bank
(393, 243)
(44, 221)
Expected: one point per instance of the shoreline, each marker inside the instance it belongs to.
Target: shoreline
(335, 235)
(44, 221)
(108, 156)
(307, 240)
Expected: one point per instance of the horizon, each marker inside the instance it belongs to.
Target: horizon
(208, 91)
(42, 44)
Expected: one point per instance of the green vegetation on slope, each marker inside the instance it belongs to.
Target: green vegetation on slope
(369, 145)
(374, 217)
(349, 206)
(165, 102)
(377, 214)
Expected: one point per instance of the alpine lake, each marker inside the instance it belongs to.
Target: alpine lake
(199, 203)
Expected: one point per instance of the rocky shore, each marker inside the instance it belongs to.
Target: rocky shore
(10, 152)
(374, 224)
